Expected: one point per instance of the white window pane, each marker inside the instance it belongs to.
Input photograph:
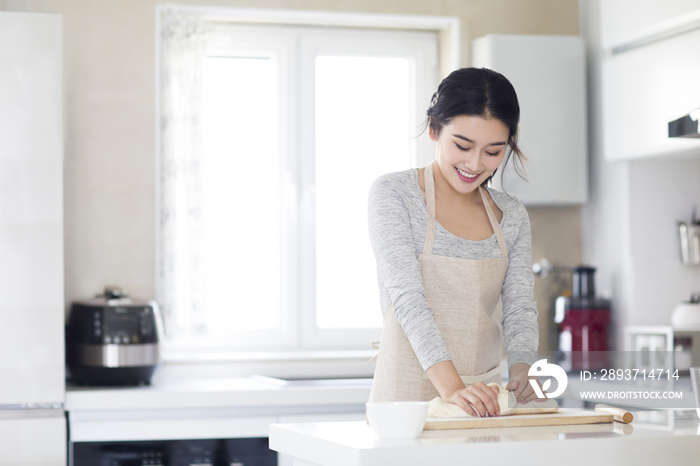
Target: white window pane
(364, 128)
(241, 183)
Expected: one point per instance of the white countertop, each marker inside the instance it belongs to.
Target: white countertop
(188, 404)
(653, 438)
(247, 391)
(208, 407)
(219, 392)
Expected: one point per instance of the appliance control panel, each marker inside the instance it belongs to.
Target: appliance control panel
(124, 325)
(120, 325)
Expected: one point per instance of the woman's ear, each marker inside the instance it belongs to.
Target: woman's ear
(433, 134)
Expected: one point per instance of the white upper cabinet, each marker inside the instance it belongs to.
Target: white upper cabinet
(624, 22)
(650, 73)
(548, 73)
(645, 88)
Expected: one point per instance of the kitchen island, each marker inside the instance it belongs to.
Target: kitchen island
(654, 437)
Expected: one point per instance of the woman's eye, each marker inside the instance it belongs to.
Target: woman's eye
(494, 153)
(462, 148)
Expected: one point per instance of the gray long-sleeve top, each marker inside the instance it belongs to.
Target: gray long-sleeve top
(397, 224)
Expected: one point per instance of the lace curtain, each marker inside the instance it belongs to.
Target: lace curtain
(180, 288)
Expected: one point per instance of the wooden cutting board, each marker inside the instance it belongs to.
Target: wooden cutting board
(564, 417)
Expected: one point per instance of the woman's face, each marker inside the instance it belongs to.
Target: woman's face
(469, 150)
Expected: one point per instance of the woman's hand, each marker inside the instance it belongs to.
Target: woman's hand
(477, 400)
(519, 384)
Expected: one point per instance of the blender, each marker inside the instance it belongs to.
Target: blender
(583, 321)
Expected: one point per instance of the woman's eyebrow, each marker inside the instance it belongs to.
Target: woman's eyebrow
(469, 140)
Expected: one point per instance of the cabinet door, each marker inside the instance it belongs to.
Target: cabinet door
(34, 439)
(548, 73)
(645, 88)
(31, 209)
(626, 21)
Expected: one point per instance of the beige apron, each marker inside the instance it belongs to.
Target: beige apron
(463, 294)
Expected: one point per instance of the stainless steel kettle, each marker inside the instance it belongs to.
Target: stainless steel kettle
(690, 242)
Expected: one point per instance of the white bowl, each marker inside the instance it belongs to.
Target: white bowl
(397, 419)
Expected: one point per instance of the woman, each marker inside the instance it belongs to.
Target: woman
(447, 248)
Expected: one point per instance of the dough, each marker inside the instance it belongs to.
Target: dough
(438, 407)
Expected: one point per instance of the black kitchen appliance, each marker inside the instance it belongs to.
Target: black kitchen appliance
(113, 340)
(686, 126)
(196, 452)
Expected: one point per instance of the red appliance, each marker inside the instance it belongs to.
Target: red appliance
(583, 322)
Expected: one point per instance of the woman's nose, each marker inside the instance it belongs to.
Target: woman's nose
(473, 162)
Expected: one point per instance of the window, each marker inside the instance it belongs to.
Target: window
(269, 139)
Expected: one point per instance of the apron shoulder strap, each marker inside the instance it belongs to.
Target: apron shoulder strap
(494, 224)
(429, 183)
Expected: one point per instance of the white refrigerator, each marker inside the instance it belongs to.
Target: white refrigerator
(32, 381)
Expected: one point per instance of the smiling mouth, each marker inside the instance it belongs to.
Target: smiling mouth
(467, 175)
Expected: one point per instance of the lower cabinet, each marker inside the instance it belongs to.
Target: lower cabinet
(33, 437)
(189, 437)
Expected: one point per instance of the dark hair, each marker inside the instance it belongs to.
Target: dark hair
(478, 92)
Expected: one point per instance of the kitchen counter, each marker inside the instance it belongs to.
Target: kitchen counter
(209, 407)
(220, 392)
(654, 437)
(183, 404)
(250, 391)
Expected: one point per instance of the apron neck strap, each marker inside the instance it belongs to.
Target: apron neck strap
(429, 182)
(494, 223)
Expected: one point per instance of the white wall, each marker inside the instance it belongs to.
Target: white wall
(604, 227)
(629, 225)
(109, 97)
(662, 192)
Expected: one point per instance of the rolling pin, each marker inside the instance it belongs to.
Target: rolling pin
(619, 414)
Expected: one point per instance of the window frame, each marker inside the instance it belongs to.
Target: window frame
(332, 43)
(301, 333)
(279, 41)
